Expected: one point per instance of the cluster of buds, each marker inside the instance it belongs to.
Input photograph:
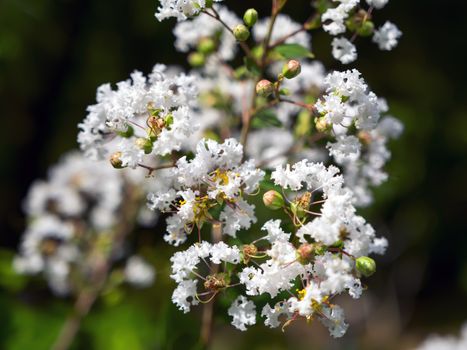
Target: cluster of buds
(242, 31)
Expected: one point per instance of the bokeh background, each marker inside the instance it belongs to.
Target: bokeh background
(53, 55)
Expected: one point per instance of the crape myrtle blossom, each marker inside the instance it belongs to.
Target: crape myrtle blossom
(78, 205)
(143, 117)
(181, 9)
(188, 268)
(447, 342)
(387, 36)
(343, 50)
(202, 149)
(215, 175)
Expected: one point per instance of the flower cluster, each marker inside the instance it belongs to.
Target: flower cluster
(351, 15)
(312, 142)
(215, 177)
(142, 118)
(79, 208)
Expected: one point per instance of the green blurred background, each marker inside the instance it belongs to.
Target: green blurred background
(53, 55)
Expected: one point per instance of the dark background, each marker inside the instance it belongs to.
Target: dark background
(54, 54)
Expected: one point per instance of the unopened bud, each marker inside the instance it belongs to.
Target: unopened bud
(129, 132)
(264, 88)
(366, 28)
(305, 253)
(206, 46)
(144, 144)
(250, 17)
(321, 124)
(365, 265)
(273, 200)
(196, 59)
(364, 137)
(115, 160)
(291, 69)
(241, 32)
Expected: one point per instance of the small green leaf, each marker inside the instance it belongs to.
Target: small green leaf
(291, 51)
(264, 119)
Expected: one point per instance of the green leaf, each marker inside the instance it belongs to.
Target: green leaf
(252, 67)
(264, 119)
(290, 51)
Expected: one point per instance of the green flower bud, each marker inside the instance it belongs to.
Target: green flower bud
(291, 69)
(169, 120)
(250, 17)
(241, 32)
(365, 265)
(273, 200)
(196, 59)
(209, 4)
(144, 144)
(366, 29)
(264, 88)
(128, 133)
(206, 46)
(115, 160)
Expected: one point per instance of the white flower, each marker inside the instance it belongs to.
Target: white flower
(272, 314)
(343, 50)
(333, 319)
(345, 149)
(387, 36)
(275, 233)
(180, 9)
(138, 272)
(185, 295)
(448, 342)
(377, 4)
(333, 19)
(243, 313)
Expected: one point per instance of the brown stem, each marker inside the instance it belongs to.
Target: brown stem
(208, 309)
(101, 265)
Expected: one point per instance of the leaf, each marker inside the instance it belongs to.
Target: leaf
(264, 119)
(252, 67)
(290, 51)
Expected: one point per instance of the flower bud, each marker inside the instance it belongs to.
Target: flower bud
(241, 32)
(264, 88)
(365, 265)
(206, 46)
(321, 124)
(305, 253)
(196, 59)
(115, 160)
(364, 137)
(366, 28)
(129, 132)
(273, 200)
(291, 69)
(144, 144)
(250, 17)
